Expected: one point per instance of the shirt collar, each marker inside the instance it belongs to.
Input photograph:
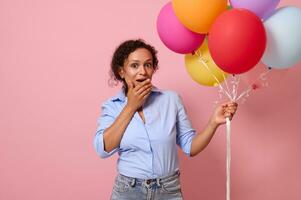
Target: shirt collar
(121, 95)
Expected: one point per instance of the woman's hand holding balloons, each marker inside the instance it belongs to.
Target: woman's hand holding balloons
(223, 111)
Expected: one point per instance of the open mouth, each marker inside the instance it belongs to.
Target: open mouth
(140, 80)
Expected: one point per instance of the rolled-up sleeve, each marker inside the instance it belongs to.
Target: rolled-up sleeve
(106, 119)
(185, 132)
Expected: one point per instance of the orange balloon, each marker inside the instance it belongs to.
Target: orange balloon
(198, 15)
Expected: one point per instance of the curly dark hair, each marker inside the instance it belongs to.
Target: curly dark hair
(122, 52)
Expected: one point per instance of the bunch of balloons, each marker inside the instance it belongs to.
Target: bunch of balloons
(220, 39)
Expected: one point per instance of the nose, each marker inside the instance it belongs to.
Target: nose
(142, 70)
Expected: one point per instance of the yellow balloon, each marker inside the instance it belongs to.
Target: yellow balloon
(202, 69)
(198, 15)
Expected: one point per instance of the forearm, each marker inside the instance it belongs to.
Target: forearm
(113, 135)
(201, 140)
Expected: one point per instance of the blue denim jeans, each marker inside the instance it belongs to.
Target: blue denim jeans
(167, 188)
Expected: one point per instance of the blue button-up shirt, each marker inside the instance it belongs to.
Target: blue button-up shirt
(148, 150)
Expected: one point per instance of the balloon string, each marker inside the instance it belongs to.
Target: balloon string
(226, 83)
(228, 162)
(249, 87)
(243, 93)
(212, 74)
(237, 84)
(219, 84)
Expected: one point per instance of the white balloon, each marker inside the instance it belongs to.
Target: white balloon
(283, 30)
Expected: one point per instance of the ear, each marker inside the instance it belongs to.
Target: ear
(121, 72)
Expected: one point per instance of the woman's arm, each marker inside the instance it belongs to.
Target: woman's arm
(201, 140)
(136, 97)
(113, 135)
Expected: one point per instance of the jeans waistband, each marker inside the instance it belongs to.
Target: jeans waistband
(147, 182)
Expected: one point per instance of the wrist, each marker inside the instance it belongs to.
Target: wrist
(130, 108)
(213, 123)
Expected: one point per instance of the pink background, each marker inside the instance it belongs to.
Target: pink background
(54, 63)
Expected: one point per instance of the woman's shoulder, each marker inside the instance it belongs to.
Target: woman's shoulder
(111, 101)
(119, 96)
(168, 92)
(169, 95)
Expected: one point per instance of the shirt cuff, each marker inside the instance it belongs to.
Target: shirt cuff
(100, 147)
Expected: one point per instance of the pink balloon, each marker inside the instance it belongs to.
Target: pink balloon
(174, 35)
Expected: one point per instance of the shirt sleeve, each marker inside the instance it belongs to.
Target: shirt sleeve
(105, 120)
(185, 132)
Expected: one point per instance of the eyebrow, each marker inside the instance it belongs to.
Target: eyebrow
(139, 60)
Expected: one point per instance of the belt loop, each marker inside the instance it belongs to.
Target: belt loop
(133, 182)
(158, 182)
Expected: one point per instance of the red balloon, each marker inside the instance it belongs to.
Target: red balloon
(237, 40)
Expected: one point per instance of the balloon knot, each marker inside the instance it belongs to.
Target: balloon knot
(254, 86)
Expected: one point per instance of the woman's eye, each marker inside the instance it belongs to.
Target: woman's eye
(150, 65)
(134, 65)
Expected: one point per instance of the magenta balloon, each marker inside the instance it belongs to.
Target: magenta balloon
(262, 8)
(174, 35)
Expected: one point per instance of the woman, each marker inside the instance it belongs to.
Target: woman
(145, 124)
